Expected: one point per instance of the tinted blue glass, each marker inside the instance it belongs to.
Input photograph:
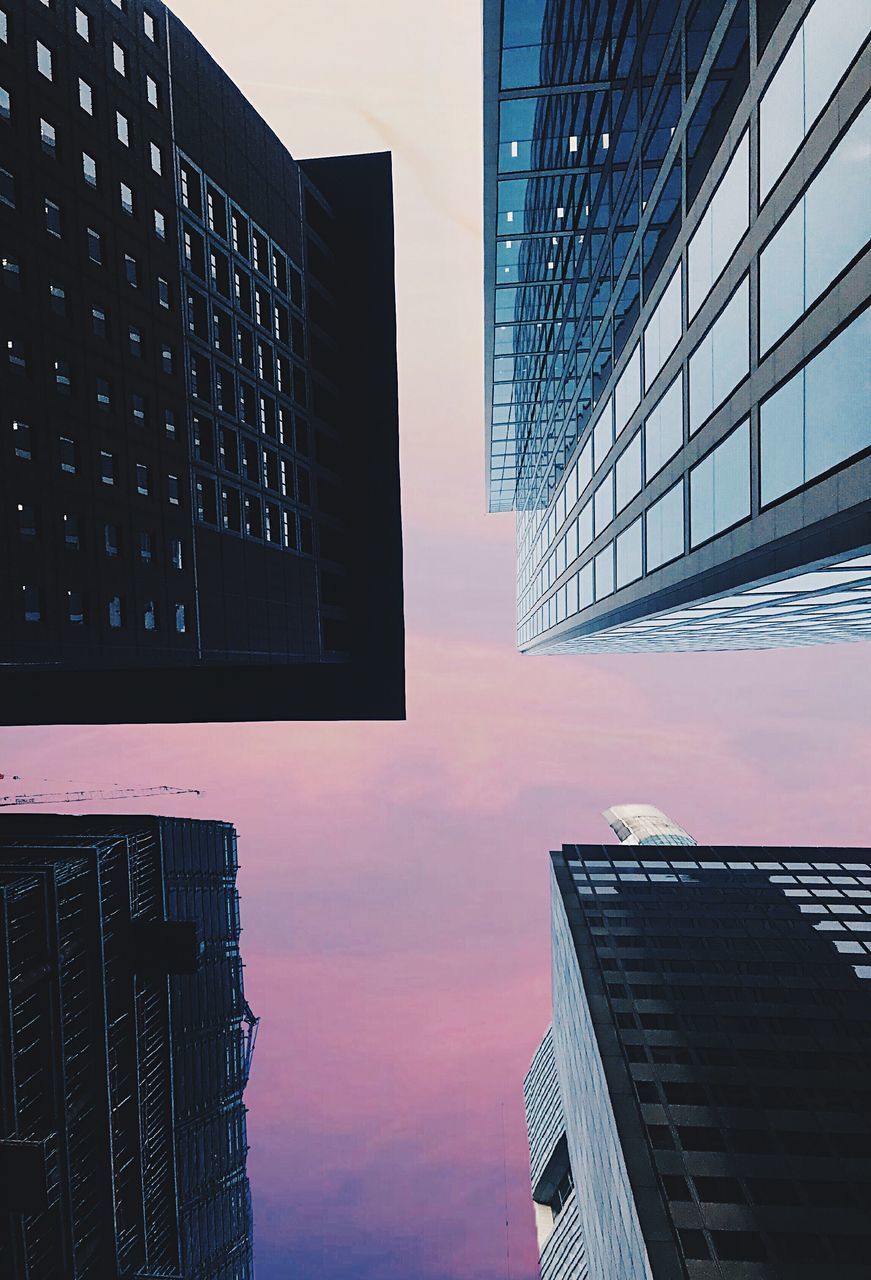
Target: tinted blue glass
(663, 330)
(629, 554)
(722, 358)
(821, 416)
(823, 233)
(721, 227)
(628, 472)
(663, 430)
(720, 487)
(628, 391)
(665, 531)
(603, 434)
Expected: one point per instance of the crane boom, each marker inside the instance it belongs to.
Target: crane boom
(75, 797)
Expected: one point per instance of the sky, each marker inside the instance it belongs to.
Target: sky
(394, 877)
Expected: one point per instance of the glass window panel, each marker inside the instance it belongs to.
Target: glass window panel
(821, 416)
(722, 358)
(603, 434)
(663, 330)
(628, 391)
(721, 227)
(720, 487)
(629, 554)
(822, 234)
(665, 528)
(603, 504)
(585, 525)
(604, 562)
(628, 472)
(663, 430)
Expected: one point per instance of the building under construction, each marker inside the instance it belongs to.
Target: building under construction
(125, 1046)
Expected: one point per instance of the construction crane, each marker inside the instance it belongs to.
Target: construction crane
(113, 793)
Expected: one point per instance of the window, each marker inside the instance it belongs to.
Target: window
(15, 353)
(7, 189)
(4, 27)
(145, 546)
(175, 553)
(149, 26)
(22, 442)
(663, 430)
(119, 58)
(127, 198)
(179, 618)
(104, 394)
(151, 92)
(665, 528)
(722, 358)
(26, 520)
(628, 473)
(89, 169)
(5, 104)
(156, 158)
(9, 268)
(52, 218)
(720, 487)
(627, 393)
(142, 479)
(57, 298)
(663, 330)
(83, 24)
(166, 359)
(122, 129)
(48, 138)
(68, 455)
(95, 246)
(173, 489)
(43, 60)
(169, 423)
(820, 417)
(111, 540)
(107, 467)
(138, 406)
(98, 322)
(827, 228)
(135, 334)
(149, 618)
(629, 554)
(721, 227)
(31, 603)
(131, 271)
(824, 46)
(62, 375)
(603, 434)
(72, 532)
(163, 292)
(86, 97)
(604, 575)
(603, 504)
(159, 225)
(115, 612)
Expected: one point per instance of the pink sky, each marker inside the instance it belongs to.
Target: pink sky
(394, 876)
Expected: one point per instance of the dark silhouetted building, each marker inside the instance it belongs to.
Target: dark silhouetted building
(676, 291)
(701, 1105)
(125, 1044)
(199, 486)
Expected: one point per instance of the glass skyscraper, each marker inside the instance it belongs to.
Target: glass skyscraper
(199, 482)
(125, 1046)
(676, 283)
(704, 1087)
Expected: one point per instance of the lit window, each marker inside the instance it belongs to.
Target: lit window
(163, 292)
(4, 27)
(149, 26)
(151, 91)
(83, 24)
(119, 58)
(175, 553)
(159, 225)
(126, 198)
(115, 617)
(48, 137)
(122, 128)
(150, 616)
(43, 60)
(89, 169)
(179, 618)
(52, 218)
(86, 97)
(173, 490)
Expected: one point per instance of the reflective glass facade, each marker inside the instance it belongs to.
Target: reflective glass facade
(712, 1024)
(676, 262)
(125, 1044)
(198, 386)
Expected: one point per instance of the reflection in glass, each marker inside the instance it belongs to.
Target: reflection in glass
(665, 528)
(720, 487)
(722, 358)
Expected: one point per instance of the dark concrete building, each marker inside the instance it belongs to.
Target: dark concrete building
(676, 291)
(701, 1106)
(125, 1044)
(199, 489)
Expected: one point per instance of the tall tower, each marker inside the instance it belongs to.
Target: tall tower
(124, 1051)
(676, 289)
